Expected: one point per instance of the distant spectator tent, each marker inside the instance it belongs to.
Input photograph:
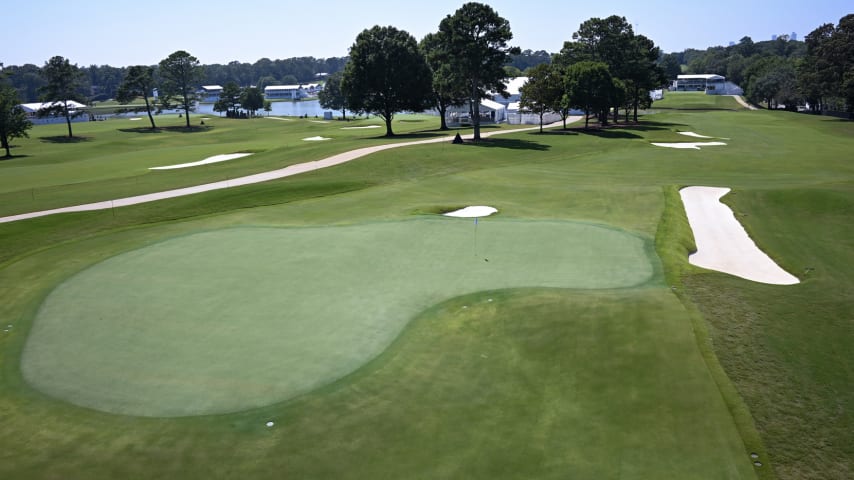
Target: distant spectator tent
(33, 112)
(291, 92)
(710, 83)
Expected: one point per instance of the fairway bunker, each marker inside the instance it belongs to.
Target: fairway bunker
(207, 161)
(237, 318)
(476, 211)
(723, 244)
(689, 145)
(316, 139)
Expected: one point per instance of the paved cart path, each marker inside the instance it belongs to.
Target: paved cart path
(256, 178)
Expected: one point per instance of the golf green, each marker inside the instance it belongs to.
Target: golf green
(231, 319)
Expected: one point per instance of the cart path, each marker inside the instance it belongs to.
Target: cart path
(288, 171)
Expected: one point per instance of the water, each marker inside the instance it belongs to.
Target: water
(311, 108)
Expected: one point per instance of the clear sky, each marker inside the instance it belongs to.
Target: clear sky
(120, 32)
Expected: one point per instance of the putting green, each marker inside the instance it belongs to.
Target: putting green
(232, 319)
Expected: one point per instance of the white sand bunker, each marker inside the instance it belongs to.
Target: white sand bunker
(471, 212)
(692, 134)
(360, 128)
(689, 145)
(316, 139)
(134, 119)
(214, 159)
(722, 242)
(280, 118)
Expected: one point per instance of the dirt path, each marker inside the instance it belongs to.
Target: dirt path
(743, 102)
(256, 178)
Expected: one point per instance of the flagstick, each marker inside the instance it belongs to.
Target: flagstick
(475, 236)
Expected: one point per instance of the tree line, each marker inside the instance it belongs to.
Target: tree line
(606, 67)
(818, 71)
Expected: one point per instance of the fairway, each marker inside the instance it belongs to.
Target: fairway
(231, 319)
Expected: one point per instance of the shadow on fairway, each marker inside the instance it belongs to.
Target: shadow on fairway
(141, 130)
(65, 139)
(512, 144)
(615, 134)
(409, 136)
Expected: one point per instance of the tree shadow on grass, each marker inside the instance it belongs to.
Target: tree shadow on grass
(173, 129)
(508, 143)
(426, 135)
(12, 157)
(65, 139)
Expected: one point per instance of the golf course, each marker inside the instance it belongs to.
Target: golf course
(333, 323)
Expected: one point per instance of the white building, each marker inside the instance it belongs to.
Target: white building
(290, 92)
(209, 93)
(490, 112)
(514, 86)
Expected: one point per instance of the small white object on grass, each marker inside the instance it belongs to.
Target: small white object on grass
(472, 211)
(270, 424)
(690, 145)
(316, 139)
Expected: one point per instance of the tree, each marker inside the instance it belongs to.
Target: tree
(544, 90)
(608, 40)
(591, 88)
(252, 99)
(641, 72)
(670, 64)
(331, 96)
(386, 74)
(447, 89)
(138, 82)
(62, 82)
(180, 73)
(13, 120)
(475, 38)
(268, 107)
(229, 100)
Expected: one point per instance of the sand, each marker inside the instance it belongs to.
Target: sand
(316, 139)
(692, 134)
(689, 145)
(723, 244)
(209, 160)
(360, 128)
(472, 211)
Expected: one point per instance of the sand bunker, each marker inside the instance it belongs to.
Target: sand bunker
(692, 134)
(360, 128)
(316, 139)
(318, 121)
(280, 118)
(134, 119)
(722, 242)
(689, 145)
(214, 159)
(471, 212)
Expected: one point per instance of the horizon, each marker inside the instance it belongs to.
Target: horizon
(107, 39)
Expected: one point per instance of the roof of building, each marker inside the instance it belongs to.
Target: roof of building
(705, 76)
(209, 88)
(491, 104)
(34, 107)
(283, 87)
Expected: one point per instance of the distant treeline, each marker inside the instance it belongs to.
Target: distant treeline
(101, 82)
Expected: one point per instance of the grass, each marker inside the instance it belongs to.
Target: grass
(697, 101)
(303, 298)
(650, 382)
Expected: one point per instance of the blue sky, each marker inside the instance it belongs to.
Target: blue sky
(122, 32)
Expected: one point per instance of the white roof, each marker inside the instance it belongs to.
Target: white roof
(705, 76)
(514, 84)
(513, 107)
(34, 107)
(491, 104)
(211, 87)
(283, 87)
